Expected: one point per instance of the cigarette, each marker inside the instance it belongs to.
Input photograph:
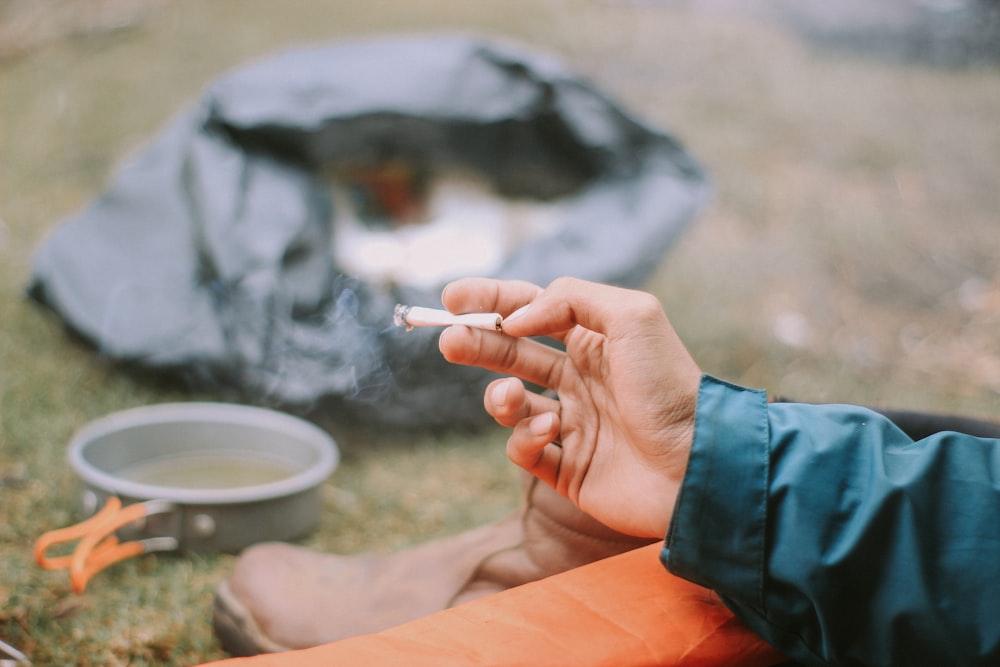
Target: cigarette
(418, 316)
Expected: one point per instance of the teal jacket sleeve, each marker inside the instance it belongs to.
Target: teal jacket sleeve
(838, 538)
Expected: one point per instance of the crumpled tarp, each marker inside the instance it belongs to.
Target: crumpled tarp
(209, 255)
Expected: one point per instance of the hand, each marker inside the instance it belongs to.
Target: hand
(616, 441)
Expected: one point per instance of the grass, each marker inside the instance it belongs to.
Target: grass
(849, 255)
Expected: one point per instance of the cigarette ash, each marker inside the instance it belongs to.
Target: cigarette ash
(399, 316)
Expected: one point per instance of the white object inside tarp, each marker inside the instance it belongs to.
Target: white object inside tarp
(468, 230)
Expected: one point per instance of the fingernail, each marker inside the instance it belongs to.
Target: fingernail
(499, 394)
(444, 293)
(518, 313)
(541, 425)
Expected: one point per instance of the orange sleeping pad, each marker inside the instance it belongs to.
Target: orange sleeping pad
(624, 611)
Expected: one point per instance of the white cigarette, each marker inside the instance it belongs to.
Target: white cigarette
(418, 316)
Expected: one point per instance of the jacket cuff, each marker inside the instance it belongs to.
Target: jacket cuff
(717, 535)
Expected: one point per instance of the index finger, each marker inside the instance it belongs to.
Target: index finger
(488, 295)
(615, 312)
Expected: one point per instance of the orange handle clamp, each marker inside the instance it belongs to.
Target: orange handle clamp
(99, 547)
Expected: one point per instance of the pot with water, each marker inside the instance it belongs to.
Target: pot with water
(208, 476)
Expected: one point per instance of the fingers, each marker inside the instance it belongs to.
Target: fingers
(535, 442)
(509, 403)
(565, 303)
(531, 446)
(612, 311)
(527, 359)
(485, 295)
(535, 423)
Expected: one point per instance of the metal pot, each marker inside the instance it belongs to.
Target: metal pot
(194, 477)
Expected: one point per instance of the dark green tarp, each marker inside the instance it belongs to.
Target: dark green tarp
(209, 256)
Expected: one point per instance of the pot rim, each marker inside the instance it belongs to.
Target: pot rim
(328, 454)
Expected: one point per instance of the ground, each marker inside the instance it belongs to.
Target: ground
(848, 253)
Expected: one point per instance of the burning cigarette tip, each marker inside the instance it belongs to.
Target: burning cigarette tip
(399, 315)
(418, 316)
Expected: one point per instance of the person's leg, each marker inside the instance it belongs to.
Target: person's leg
(283, 597)
(626, 610)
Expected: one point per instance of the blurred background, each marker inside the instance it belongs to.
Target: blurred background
(848, 254)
